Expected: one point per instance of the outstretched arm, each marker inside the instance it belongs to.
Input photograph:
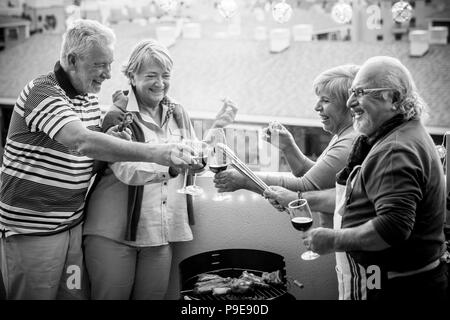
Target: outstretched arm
(104, 147)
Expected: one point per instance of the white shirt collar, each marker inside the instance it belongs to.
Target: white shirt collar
(133, 106)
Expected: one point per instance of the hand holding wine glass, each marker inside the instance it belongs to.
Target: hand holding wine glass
(201, 150)
(302, 220)
(217, 159)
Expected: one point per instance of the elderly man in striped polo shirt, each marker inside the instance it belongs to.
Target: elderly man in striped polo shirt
(48, 163)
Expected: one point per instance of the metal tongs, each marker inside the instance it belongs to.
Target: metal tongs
(242, 167)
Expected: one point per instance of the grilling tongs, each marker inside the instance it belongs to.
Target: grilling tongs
(242, 167)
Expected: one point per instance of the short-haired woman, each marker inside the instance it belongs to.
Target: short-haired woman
(331, 88)
(134, 211)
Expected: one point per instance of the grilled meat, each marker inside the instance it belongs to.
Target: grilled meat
(210, 282)
(239, 286)
(253, 279)
(221, 291)
(244, 285)
(207, 277)
(273, 278)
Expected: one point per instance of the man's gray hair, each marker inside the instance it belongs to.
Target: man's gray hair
(146, 52)
(337, 81)
(82, 35)
(396, 76)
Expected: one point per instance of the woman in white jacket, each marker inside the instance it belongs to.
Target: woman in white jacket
(134, 211)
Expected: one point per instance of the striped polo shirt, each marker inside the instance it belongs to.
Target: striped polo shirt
(43, 183)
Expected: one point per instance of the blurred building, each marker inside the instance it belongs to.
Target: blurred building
(43, 15)
(13, 31)
(11, 7)
(372, 20)
(46, 16)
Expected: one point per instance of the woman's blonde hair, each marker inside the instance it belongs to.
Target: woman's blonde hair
(146, 52)
(336, 81)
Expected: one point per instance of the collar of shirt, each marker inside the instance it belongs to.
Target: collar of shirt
(133, 106)
(64, 82)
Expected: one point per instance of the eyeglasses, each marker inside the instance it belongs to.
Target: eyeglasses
(359, 92)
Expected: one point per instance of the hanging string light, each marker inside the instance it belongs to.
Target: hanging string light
(166, 5)
(342, 12)
(282, 12)
(227, 8)
(402, 12)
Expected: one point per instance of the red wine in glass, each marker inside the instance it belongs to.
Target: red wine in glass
(302, 223)
(302, 220)
(203, 159)
(217, 160)
(218, 168)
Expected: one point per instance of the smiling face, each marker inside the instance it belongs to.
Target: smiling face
(334, 116)
(152, 83)
(88, 71)
(369, 111)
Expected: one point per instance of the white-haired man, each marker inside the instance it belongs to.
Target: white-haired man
(393, 201)
(48, 161)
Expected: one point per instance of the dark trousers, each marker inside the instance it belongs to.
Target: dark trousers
(2, 288)
(430, 285)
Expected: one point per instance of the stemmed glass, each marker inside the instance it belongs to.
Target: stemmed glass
(200, 149)
(217, 159)
(302, 220)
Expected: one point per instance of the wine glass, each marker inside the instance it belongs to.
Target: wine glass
(185, 189)
(302, 220)
(217, 159)
(186, 172)
(201, 150)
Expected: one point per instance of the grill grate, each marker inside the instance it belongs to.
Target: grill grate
(258, 294)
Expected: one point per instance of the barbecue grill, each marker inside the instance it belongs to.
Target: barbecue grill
(231, 263)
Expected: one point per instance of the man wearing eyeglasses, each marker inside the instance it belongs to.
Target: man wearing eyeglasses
(393, 208)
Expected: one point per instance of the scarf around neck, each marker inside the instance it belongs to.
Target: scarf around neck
(363, 144)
